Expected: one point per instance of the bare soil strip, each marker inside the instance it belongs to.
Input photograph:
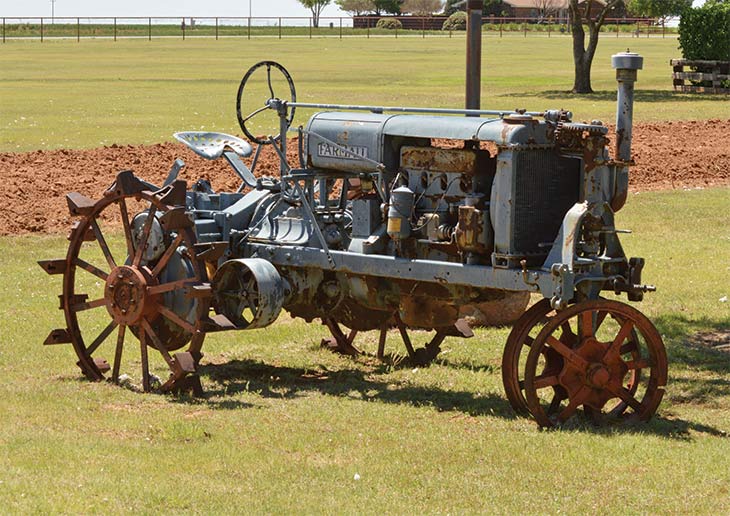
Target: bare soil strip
(668, 155)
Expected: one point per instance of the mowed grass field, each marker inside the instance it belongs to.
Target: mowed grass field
(286, 427)
(65, 94)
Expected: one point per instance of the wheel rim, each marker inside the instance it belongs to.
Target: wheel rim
(133, 296)
(516, 350)
(604, 356)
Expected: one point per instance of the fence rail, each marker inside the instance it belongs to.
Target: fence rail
(78, 28)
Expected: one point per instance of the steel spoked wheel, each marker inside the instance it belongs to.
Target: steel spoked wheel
(604, 356)
(260, 83)
(516, 350)
(131, 285)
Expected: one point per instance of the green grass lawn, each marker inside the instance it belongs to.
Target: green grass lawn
(66, 94)
(287, 426)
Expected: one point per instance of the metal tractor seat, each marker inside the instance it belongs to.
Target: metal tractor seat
(212, 145)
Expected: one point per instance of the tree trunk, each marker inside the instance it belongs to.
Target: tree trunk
(582, 54)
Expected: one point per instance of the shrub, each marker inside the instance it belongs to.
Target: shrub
(389, 23)
(456, 21)
(704, 32)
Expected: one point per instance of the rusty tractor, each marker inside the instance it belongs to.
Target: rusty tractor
(393, 217)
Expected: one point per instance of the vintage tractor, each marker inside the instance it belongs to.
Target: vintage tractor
(388, 220)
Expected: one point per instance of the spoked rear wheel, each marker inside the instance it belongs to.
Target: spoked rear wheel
(604, 356)
(132, 285)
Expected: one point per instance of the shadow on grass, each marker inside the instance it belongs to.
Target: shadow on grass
(610, 95)
(281, 382)
(696, 342)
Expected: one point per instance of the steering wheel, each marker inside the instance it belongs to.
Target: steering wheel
(269, 66)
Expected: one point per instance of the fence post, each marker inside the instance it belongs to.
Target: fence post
(149, 29)
(279, 28)
(182, 26)
(368, 22)
(340, 27)
(550, 28)
(501, 21)
(41, 30)
(115, 29)
(396, 30)
(664, 30)
(78, 30)
(216, 28)
(3, 30)
(617, 28)
(310, 27)
(249, 27)
(524, 26)
(423, 28)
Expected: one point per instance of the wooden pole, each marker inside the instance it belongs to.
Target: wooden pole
(216, 29)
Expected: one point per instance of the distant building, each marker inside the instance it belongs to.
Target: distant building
(546, 9)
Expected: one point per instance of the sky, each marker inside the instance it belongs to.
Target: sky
(160, 8)
(164, 8)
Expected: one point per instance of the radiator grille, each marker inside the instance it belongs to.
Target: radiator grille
(547, 186)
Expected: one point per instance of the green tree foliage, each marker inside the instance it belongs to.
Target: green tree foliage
(387, 6)
(356, 7)
(316, 7)
(704, 32)
(657, 8)
(495, 7)
(421, 7)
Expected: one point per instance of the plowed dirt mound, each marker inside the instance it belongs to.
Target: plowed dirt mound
(668, 155)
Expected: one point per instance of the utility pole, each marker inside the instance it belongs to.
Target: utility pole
(53, 11)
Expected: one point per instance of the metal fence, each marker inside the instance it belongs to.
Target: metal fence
(302, 27)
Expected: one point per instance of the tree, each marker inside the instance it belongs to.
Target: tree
(546, 8)
(356, 7)
(582, 54)
(316, 7)
(421, 7)
(657, 8)
(387, 6)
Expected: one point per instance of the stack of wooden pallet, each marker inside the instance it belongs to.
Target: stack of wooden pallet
(703, 77)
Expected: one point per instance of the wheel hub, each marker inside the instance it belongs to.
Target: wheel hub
(126, 295)
(603, 374)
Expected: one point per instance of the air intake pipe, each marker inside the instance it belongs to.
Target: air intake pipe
(627, 64)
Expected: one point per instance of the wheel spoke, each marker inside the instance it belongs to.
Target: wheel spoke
(142, 244)
(528, 341)
(586, 324)
(555, 403)
(600, 318)
(545, 380)
(567, 353)
(268, 79)
(127, 229)
(102, 243)
(156, 342)
(622, 335)
(629, 347)
(573, 404)
(172, 316)
(254, 113)
(89, 305)
(167, 287)
(91, 268)
(168, 254)
(642, 363)
(145, 361)
(626, 397)
(118, 353)
(101, 338)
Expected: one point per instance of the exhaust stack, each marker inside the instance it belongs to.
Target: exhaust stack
(626, 65)
(473, 53)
